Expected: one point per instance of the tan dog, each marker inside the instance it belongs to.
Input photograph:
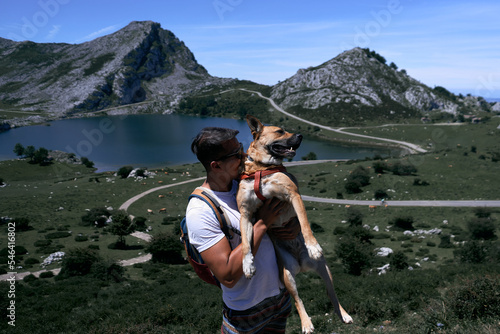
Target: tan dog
(265, 177)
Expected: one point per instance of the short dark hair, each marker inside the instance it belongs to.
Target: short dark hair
(208, 144)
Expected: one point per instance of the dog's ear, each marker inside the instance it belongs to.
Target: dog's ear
(255, 125)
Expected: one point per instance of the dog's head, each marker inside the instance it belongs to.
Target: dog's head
(271, 144)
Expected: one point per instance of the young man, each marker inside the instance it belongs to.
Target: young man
(257, 305)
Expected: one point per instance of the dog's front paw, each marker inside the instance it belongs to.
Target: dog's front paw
(315, 251)
(248, 266)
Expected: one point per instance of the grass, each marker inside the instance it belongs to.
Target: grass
(55, 197)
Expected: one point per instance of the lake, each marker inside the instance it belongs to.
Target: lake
(148, 140)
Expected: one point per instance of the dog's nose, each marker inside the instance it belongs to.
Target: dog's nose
(299, 136)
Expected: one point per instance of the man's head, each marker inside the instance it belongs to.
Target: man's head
(214, 144)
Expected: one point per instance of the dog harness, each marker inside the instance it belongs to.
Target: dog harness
(257, 176)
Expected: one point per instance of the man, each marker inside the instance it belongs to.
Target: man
(258, 305)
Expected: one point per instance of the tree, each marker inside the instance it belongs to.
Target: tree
(19, 149)
(40, 156)
(404, 223)
(29, 151)
(165, 248)
(86, 162)
(310, 156)
(121, 226)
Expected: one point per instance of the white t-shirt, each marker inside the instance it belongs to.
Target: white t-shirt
(204, 232)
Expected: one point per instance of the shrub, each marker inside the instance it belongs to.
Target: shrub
(398, 261)
(356, 256)
(354, 217)
(78, 262)
(472, 252)
(22, 224)
(46, 274)
(404, 223)
(445, 241)
(482, 228)
(96, 217)
(476, 298)
(29, 278)
(379, 167)
(124, 171)
(316, 228)
(81, 238)
(165, 248)
(58, 235)
(400, 168)
(42, 243)
(380, 194)
(140, 223)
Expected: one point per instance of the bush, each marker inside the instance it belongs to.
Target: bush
(78, 262)
(482, 228)
(22, 224)
(31, 261)
(398, 261)
(445, 242)
(400, 168)
(140, 223)
(42, 243)
(81, 238)
(472, 252)
(165, 248)
(96, 217)
(58, 235)
(47, 274)
(380, 194)
(404, 223)
(354, 217)
(356, 256)
(476, 298)
(124, 171)
(86, 162)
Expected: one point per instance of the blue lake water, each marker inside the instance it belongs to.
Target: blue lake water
(148, 140)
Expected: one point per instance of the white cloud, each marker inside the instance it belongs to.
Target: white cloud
(53, 32)
(98, 33)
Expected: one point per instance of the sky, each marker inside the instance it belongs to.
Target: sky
(453, 44)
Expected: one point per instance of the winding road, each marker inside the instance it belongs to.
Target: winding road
(373, 204)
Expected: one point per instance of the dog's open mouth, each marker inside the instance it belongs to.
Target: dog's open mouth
(284, 150)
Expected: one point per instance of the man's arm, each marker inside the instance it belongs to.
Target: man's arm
(227, 264)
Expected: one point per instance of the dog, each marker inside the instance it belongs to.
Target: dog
(264, 176)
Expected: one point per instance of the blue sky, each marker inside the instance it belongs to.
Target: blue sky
(454, 44)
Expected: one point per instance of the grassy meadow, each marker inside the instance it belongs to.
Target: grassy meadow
(161, 298)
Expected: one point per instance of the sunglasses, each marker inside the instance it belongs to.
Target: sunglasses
(238, 153)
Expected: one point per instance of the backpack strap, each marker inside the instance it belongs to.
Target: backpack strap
(218, 211)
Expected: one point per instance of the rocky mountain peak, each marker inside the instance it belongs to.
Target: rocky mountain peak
(141, 61)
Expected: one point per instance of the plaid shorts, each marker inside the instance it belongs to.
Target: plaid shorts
(269, 316)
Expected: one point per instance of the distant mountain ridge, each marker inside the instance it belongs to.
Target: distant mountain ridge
(361, 78)
(137, 62)
(143, 62)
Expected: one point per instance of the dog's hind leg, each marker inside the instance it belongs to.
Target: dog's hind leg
(291, 286)
(313, 247)
(322, 269)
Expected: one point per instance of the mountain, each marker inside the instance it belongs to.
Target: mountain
(359, 81)
(143, 62)
(139, 62)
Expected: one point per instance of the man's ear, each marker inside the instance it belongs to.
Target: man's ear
(214, 165)
(255, 126)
